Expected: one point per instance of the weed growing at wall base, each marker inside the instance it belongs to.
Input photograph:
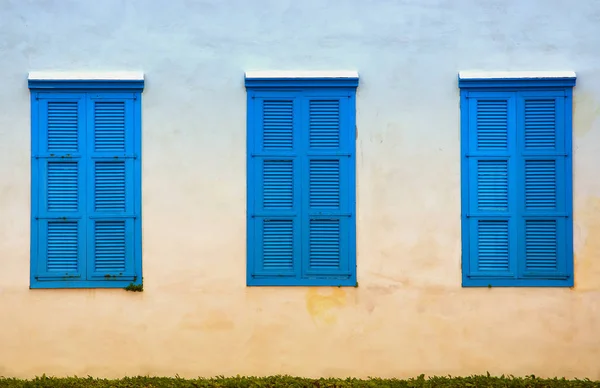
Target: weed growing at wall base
(297, 382)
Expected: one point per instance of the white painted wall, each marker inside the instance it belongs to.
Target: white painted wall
(196, 317)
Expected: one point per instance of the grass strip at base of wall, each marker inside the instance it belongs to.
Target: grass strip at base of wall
(297, 382)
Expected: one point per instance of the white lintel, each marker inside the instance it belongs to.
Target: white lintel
(477, 74)
(86, 75)
(266, 74)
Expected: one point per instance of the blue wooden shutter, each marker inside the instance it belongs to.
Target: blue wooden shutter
(275, 200)
(58, 231)
(112, 210)
(544, 211)
(492, 214)
(327, 186)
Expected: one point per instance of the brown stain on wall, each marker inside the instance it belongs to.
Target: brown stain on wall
(587, 258)
(585, 111)
(321, 305)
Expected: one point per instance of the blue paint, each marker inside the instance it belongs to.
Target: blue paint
(86, 184)
(86, 85)
(500, 84)
(516, 181)
(342, 85)
(301, 182)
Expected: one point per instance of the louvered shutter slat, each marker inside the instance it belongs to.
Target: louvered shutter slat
(59, 225)
(493, 245)
(278, 245)
(111, 203)
(541, 250)
(540, 184)
(492, 124)
(63, 127)
(492, 184)
(324, 183)
(63, 242)
(540, 120)
(324, 124)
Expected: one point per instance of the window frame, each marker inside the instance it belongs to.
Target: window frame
(277, 84)
(102, 85)
(480, 83)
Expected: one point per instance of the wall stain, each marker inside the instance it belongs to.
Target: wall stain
(586, 109)
(587, 265)
(321, 307)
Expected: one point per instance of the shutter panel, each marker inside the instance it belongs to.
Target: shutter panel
(275, 203)
(111, 188)
(59, 230)
(491, 213)
(543, 253)
(327, 207)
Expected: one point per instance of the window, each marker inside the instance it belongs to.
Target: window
(86, 181)
(301, 179)
(517, 179)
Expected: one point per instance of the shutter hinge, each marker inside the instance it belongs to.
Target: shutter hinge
(134, 97)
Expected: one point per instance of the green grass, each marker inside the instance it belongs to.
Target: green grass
(297, 382)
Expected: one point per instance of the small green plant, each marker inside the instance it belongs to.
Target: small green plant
(135, 287)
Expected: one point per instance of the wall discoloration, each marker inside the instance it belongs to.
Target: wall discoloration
(587, 257)
(586, 111)
(322, 304)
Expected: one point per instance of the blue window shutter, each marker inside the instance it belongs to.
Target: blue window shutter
(516, 177)
(58, 228)
(301, 181)
(327, 186)
(111, 200)
(492, 213)
(543, 199)
(274, 199)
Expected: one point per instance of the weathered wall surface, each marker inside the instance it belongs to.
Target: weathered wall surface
(409, 314)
